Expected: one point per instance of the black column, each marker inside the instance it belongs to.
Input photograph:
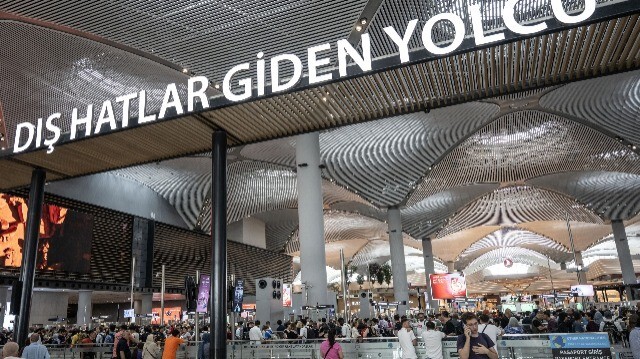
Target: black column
(29, 254)
(218, 293)
(142, 250)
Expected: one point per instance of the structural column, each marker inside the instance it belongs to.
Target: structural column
(429, 268)
(582, 275)
(218, 286)
(85, 307)
(30, 250)
(147, 303)
(4, 293)
(396, 245)
(624, 256)
(451, 267)
(310, 214)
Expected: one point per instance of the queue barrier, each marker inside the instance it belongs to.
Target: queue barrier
(525, 346)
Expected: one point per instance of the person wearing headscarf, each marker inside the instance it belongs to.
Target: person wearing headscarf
(598, 318)
(513, 327)
(151, 350)
(203, 347)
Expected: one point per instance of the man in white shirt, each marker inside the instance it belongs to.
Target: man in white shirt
(489, 329)
(420, 324)
(303, 331)
(239, 331)
(255, 334)
(407, 341)
(344, 328)
(433, 341)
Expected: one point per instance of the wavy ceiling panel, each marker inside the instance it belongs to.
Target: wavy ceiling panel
(612, 195)
(429, 215)
(518, 255)
(614, 107)
(523, 145)
(513, 237)
(514, 205)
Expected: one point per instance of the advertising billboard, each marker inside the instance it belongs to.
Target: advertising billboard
(64, 240)
(203, 293)
(238, 296)
(448, 286)
(583, 290)
(286, 295)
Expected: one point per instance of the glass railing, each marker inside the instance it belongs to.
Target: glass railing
(524, 346)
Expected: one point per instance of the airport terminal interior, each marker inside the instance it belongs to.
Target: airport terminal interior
(488, 159)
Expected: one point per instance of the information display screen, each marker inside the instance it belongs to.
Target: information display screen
(65, 236)
(582, 290)
(286, 295)
(448, 286)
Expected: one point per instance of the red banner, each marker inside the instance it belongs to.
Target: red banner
(448, 286)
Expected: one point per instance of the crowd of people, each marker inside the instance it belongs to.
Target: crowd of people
(124, 342)
(476, 333)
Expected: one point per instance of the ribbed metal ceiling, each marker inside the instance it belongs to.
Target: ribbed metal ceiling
(514, 205)
(456, 167)
(514, 238)
(207, 37)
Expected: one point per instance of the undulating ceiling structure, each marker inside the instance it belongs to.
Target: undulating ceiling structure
(491, 153)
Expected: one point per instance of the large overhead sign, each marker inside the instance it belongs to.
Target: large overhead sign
(448, 286)
(239, 85)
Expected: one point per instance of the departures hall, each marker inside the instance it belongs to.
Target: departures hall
(320, 179)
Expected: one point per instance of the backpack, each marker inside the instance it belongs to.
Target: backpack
(109, 338)
(612, 330)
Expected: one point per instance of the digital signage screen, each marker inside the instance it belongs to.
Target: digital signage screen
(65, 236)
(238, 295)
(286, 295)
(583, 290)
(448, 286)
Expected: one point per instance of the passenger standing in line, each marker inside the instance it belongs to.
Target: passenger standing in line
(489, 329)
(35, 350)
(330, 349)
(407, 340)
(10, 350)
(203, 347)
(151, 350)
(433, 341)
(475, 345)
(122, 347)
(171, 345)
(344, 328)
(634, 336)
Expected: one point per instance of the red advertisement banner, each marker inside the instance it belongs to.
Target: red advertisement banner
(448, 286)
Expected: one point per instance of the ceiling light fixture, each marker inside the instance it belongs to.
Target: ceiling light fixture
(363, 21)
(358, 28)
(185, 70)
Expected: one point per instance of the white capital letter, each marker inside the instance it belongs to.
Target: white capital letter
(53, 129)
(364, 61)
(476, 21)
(560, 14)
(75, 121)
(402, 42)
(106, 116)
(457, 40)
(201, 94)
(314, 62)
(246, 82)
(171, 92)
(126, 101)
(32, 131)
(276, 86)
(142, 103)
(510, 20)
